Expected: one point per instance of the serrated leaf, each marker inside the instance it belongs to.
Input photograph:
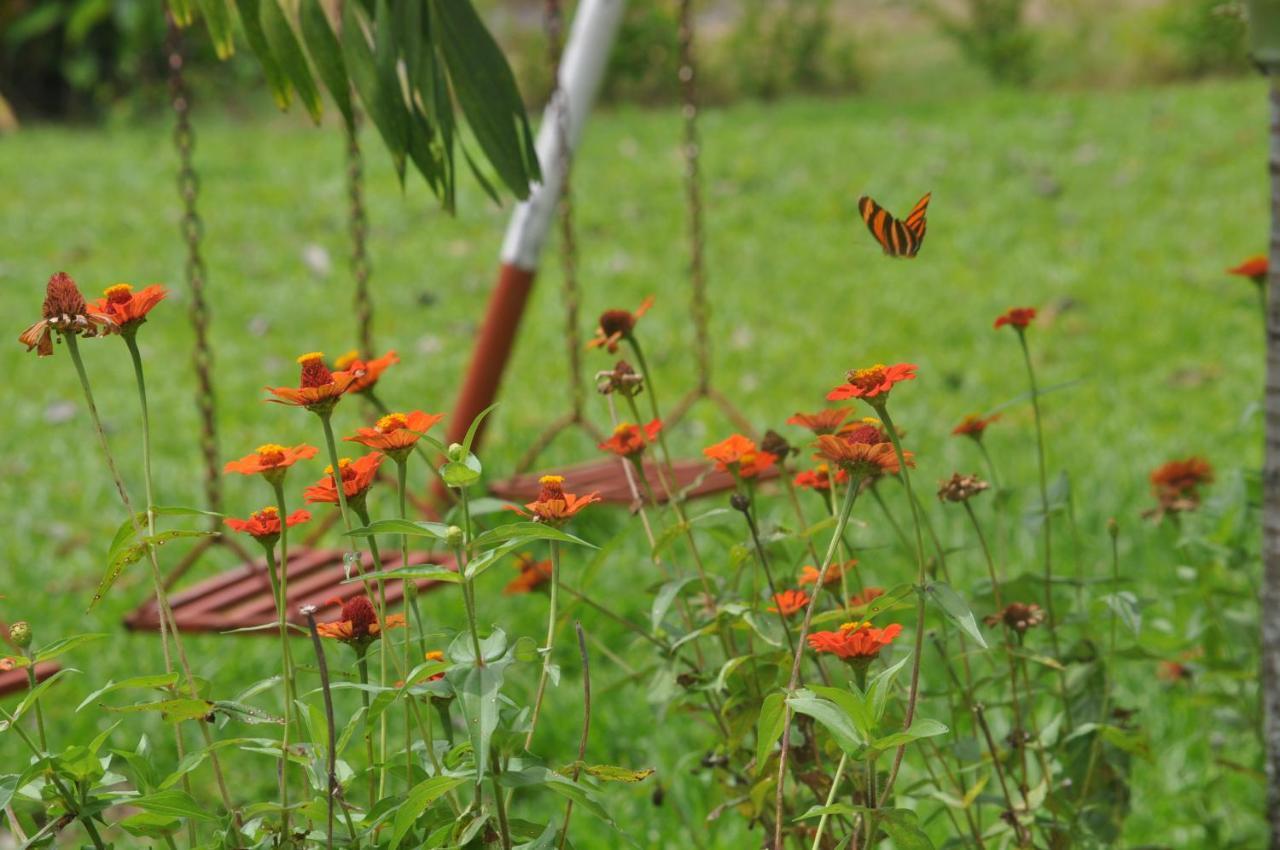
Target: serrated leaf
(131, 554)
(172, 710)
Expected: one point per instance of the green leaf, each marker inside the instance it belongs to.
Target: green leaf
(217, 17)
(8, 786)
(769, 727)
(33, 696)
(247, 713)
(130, 554)
(832, 718)
(284, 45)
(434, 530)
(325, 52)
(524, 531)
(173, 802)
(613, 773)
(253, 33)
(172, 710)
(148, 825)
(1125, 605)
(920, 728)
(956, 609)
(58, 647)
(477, 689)
(161, 680)
(854, 705)
(662, 600)
(463, 473)
(474, 427)
(903, 827)
(385, 106)
(434, 572)
(420, 797)
(486, 90)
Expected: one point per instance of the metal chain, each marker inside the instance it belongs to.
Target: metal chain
(568, 241)
(693, 196)
(192, 228)
(359, 227)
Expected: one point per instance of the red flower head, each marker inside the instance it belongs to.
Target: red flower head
(809, 574)
(1018, 317)
(860, 459)
(868, 430)
(264, 526)
(271, 461)
(872, 384)
(819, 478)
(319, 389)
(630, 440)
(824, 421)
(396, 433)
(127, 308)
(616, 325)
(533, 574)
(369, 371)
(973, 426)
(857, 643)
(789, 602)
(66, 312)
(357, 478)
(1254, 268)
(1176, 484)
(554, 505)
(358, 622)
(866, 597)
(739, 456)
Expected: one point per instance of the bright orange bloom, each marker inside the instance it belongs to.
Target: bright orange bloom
(973, 426)
(789, 602)
(824, 421)
(861, 458)
(738, 455)
(369, 371)
(319, 389)
(819, 478)
(855, 642)
(434, 655)
(872, 382)
(396, 432)
(1255, 268)
(615, 325)
(630, 440)
(66, 312)
(866, 597)
(1017, 317)
(553, 504)
(809, 574)
(127, 308)
(1176, 484)
(265, 524)
(357, 478)
(358, 622)
(270, 459)
(533, 574)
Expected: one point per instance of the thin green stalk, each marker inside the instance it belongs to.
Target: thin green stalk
(504, 828)
(362, 664)
(831, 798)
(986, 551)
(1095, 746)
(410, 587)
(277, 590)
(336, 465)
(552, 613)
(763, 560)
(31, 683)
(362, 513)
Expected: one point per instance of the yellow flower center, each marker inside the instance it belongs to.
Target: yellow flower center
(435, 655)
(623, 427)
(870, 372)
(311, 357)
(392, 422)
(347, 359)
(271, 449)
(854, 627)
(269, 512)
(343, 464)
(118, 293)
(551, 479)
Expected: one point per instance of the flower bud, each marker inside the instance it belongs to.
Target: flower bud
(453, 538)
(1113, 528)
(457, 453)
(20, 634)
(739, 502)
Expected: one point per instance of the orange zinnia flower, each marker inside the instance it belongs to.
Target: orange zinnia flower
(264, 526)
(357, 478)
(819, 478)
(1017, 317)
(616, 325)
(861, 458)
(319, 389)
(630, 440)
(358, 622)
(873, 382)
(1176, 484)
(973, 426)
(866, 597)
(739, 456)
(396, 433)
(533, 574)
(66, 312)
(433, 655)
(553, 504)
(857, 643)
(824, 421)
(809, 574)
(369, 371)
(271, 460)
(1255, 268)
(789, 602)
(127, 308)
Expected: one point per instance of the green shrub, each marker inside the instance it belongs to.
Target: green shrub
(994, 35)
(1206, 36)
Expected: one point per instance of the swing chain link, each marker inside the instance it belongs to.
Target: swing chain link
(691, 150)
(192, 229)
(359, 226)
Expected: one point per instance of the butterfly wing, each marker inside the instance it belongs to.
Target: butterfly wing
(878, 221)
(897, 238)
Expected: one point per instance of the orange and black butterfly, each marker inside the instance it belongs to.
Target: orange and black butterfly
(897, 238)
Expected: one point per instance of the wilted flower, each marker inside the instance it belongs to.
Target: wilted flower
(857, 643)
(622, 379)
(616, 325)
(66, 312)
(775, 444)
(554, 505)
(264, 525)
(1016, 317)
(319, 389)
(739, 456)
(533, 574)
(974, 426)
(358, 623)
(367, 371)
(872, 383)
(789, 602)
(357, 477)
(1176, 485)
(961, 488)
(630, 440)
(836, 571)
(128, 309)
(1018, 616)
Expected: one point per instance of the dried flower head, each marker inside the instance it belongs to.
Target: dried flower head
(1018, 616)
(621, 379)
(775, 444)
(66, 312)
(1177, 484)
(616, 325)
(961, 488)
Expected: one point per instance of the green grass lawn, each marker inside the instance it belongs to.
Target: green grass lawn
(1114, 213)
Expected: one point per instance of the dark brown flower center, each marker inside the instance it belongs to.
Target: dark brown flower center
(359, 612)
(617, 322)
(63, 298)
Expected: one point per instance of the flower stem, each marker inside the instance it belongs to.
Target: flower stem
(831, 797)
(550, 644)
(410, 587)
(31, 683)
(362, 513)
(362, 664)
(277, 588)
(1107, 677)
(332, 446)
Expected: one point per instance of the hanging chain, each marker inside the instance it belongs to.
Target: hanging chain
(192, 228)
(693, 196)
(359, 226)
(568, 241)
